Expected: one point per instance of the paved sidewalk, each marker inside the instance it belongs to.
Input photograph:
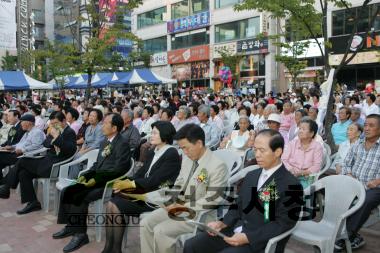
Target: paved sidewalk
(31, 233)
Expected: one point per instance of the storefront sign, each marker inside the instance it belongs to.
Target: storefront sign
(229, 48)
(159, 59)
(189, 23)
(253, 46)
(198, 53)
(371, 42)
(360, 58)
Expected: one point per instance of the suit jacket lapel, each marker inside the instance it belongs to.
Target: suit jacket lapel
(272, 177)
(105, 143)
(203, 164)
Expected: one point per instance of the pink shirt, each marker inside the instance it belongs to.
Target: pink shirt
(294, 157)
(286, 122)
(76, 126)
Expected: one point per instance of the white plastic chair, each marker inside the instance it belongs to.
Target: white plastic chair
(272, 243)
(227, 130)
(99, 204)
(232, 160)
(324, 233)
(63, 181)
(241, 174)
(201, 217)
(326, 163)
(327, 148)
(47, 181)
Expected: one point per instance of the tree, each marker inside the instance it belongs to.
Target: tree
(9, 62)
(290, 57)
(94, 52)
(313, 22)
(59, 59)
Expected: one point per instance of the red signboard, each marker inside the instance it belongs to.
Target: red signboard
(198, 53)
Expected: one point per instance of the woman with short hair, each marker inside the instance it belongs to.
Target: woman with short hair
(354, 131)
(303, 155)
(160, 170)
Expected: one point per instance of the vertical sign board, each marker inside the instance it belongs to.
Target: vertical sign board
(8, 26)
(23, 25)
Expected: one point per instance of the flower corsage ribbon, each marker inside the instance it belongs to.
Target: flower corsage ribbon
(267, 194)
(202, 176)
(107, 150)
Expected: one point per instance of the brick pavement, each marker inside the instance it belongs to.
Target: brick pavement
(31, 233)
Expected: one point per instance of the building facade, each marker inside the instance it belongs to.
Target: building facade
(185, 38)
(365, 67)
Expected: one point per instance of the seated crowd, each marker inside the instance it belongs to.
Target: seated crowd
(172, 141)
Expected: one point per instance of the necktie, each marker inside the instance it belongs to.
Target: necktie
(262, 179)
(193, 168)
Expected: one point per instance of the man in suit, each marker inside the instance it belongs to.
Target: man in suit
(14, 135)
(114, 160)
(30, 141)
(61, 141)
(201, 174)
(246, 225)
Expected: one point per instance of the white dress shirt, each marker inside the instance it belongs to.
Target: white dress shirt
(265, 174)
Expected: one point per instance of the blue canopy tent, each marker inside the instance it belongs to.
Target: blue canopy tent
(73, 80)
(18, 80)
(138, 76)
(101, 80)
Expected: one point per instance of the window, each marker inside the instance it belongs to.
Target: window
(252, 65)
(180, 9)
(198, 6)
(155, 45)
(223, 3)
(343, 20)
(237, 30)
(151, 17)
(190, 39)
(39, 15)
(188, 7)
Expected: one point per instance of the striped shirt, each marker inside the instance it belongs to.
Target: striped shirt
(362, 164)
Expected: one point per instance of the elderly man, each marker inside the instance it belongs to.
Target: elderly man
(355, 116)
(31, 140)
(247, 226)
(130, 132)
(114, 160)
(158, 233)
(363, 162)
(61, 144)
(212, 133)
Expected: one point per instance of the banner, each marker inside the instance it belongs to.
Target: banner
(181, 72)
(8, 26)
(200, 70)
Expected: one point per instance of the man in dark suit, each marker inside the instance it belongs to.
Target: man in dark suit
(14, 136)
(114, 160)
(247, 226)
(61, 141)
